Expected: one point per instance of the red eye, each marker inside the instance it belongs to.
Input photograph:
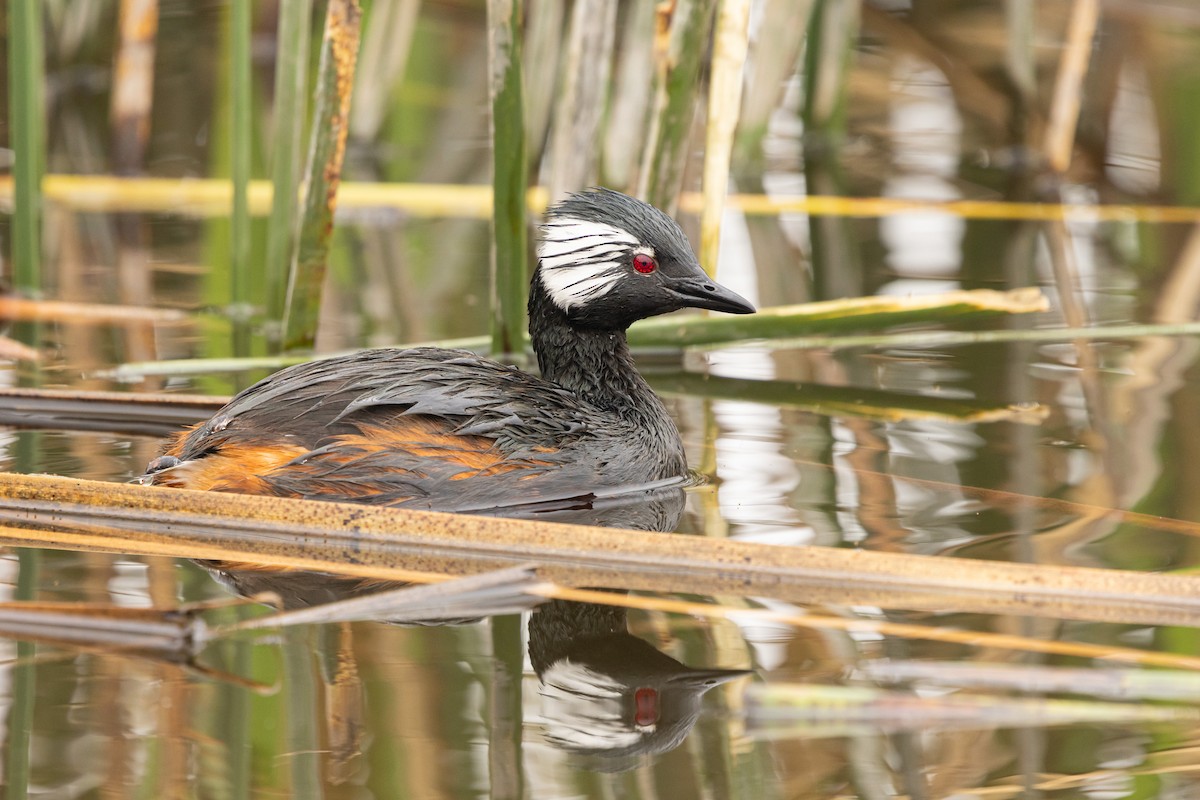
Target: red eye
(645, 704)
(644, 264)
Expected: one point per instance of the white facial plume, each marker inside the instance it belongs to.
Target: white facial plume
(581, 259)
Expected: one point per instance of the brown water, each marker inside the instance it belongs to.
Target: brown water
(590, 702)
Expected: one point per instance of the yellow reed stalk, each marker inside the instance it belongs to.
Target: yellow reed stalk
(19, 309)
(12, 350)
(1068, 84)
(209, 197)
(724, 106)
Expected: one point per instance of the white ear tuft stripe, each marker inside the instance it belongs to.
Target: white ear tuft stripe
(562, 229)
(580, 250)
(582, 260)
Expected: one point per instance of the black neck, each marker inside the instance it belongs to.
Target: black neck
(594, 364)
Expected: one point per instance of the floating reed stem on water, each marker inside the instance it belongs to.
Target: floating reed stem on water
(403, 544)
(501, 591)
(335, 81)
(509, 178)
(830, 316)
(149, 414)
(27, 79)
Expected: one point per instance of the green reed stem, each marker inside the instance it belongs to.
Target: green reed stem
(837, 257)
(832, 31)
(240, 147)
(26, 70)
(678, 81)
(510, 282)
(291, 109)
(335, 82)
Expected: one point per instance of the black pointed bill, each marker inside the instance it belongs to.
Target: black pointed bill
(704, 292)
(708, 677)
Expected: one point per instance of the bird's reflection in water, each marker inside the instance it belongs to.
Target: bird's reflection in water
(607, 697)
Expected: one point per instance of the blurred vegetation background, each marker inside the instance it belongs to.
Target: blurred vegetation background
(785, 98)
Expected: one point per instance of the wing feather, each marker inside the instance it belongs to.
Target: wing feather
(392, 427)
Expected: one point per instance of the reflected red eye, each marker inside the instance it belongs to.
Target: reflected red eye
(644, 264)
(645, 704)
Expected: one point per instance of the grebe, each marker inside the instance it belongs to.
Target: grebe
(448, 430)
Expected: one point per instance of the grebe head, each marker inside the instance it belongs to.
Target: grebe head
(606, 259)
